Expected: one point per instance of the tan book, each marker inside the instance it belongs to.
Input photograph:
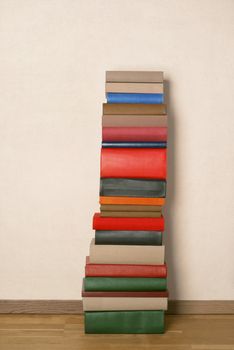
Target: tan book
(126, 254)
(133, 108)
(142, 88)
(124, 303)
(129, 207)
(134, 76)
(134, 120)
(131, 214)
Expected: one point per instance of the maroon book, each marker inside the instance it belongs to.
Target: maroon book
(131, 134)
(124, 270)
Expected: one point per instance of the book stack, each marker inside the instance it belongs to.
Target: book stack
(125, 287)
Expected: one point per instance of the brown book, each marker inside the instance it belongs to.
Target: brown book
(121, 294)
(134, 76)
(141, 88)
(134, 120)
(133, 108)
(131, 214)
(124, 303)
(126, 254)
(129, 207)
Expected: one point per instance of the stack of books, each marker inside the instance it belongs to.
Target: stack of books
(125, 286)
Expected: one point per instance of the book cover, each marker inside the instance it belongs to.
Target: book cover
(134, 121)
(133, 163)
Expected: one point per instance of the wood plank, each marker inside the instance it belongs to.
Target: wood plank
(66, 332)
(176, 307)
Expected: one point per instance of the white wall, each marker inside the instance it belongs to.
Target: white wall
(53, 56)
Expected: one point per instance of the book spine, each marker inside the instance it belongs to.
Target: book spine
(128, 237)
(132, 188)
(115, 270)
(128, 322)
(123, 303)
(134, 144)
(124, 284)
(133, 163)
(134, 134)
(125, 224)
(115, 97)
(133, 108)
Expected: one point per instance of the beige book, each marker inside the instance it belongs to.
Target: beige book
(129, 207)
(134, 76)
(123, 303)
(134, 108)
(142, 88)
(126, 254)
(134, 120)
(131, 214)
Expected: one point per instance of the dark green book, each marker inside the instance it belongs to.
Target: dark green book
(132, 187)
(124, 322)
(124, 284)
(129, 237)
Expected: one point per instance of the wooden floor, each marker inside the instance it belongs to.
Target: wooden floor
(48, 332)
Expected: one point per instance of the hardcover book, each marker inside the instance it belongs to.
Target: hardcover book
(147, 88)
(135, 224)
(129, 237)
(124, 284)
(127, 270)
(124, 303)
(134, 76)
(126, 254)
(133, 163)
(131, 214)
(132, 188)
(131, 200)
(134, 144)
(134, 121)
(133, 108)
(115, 97)
(120, 322)
(134, 134)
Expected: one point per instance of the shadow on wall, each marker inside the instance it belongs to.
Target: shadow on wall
(169, 212)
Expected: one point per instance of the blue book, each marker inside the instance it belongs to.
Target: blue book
(114, 97)
(134, 144)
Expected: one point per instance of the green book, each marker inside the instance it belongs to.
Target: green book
(124, 284)
(124, 322)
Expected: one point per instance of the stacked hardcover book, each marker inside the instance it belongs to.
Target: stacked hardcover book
(125, 287)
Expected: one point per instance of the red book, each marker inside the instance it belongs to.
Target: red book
(144, 163)
(117, 270)
(127, 224)
(131, 134)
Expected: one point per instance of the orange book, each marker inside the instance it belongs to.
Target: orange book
(131, 200)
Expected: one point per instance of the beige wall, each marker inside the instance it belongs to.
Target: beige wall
(52, 61)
